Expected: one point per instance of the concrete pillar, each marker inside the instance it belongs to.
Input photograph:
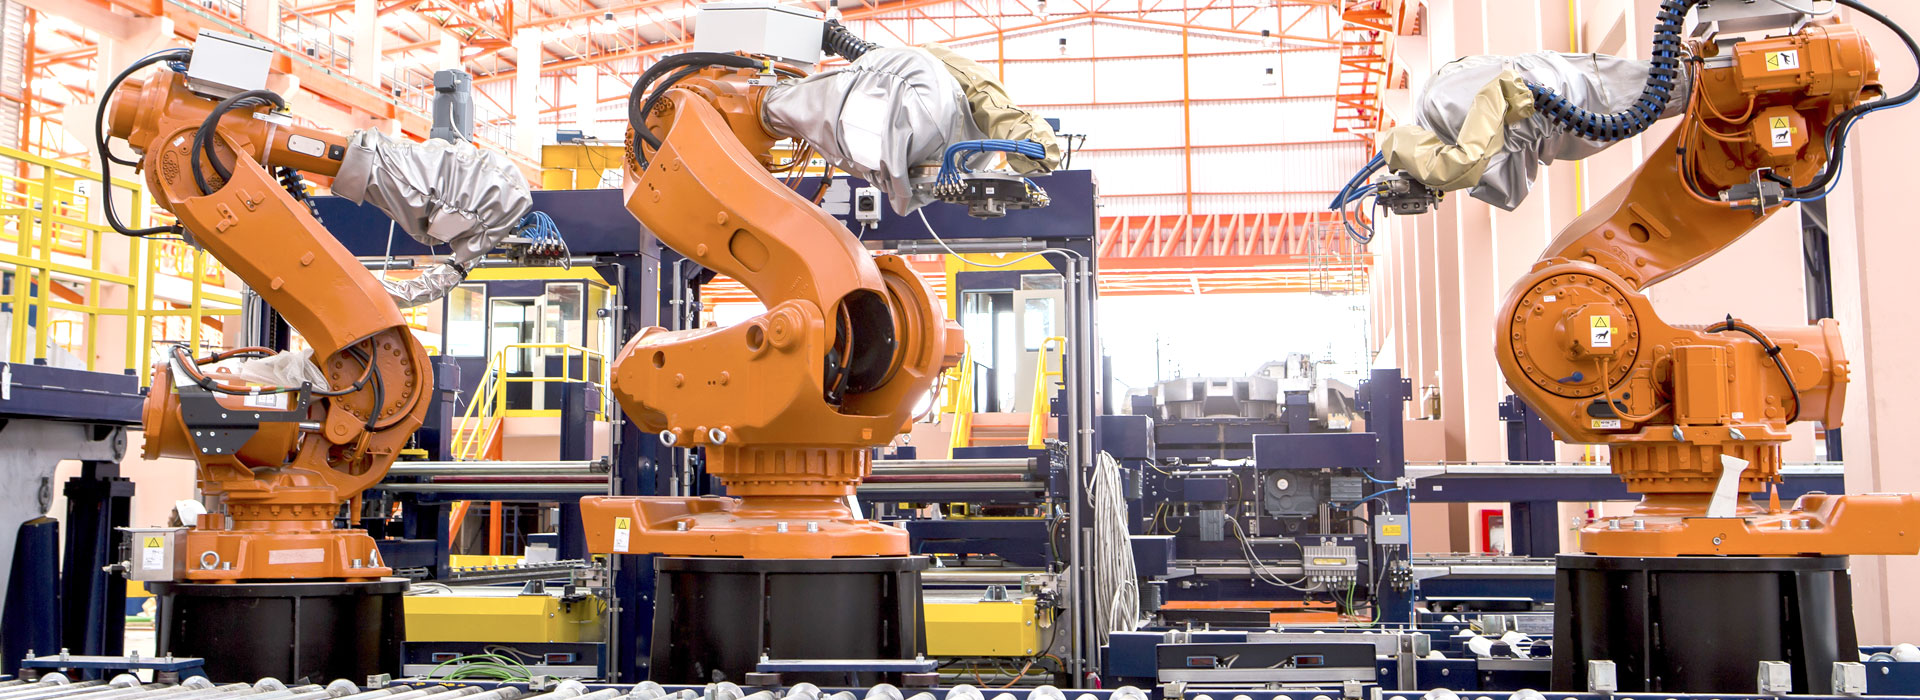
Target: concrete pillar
(1872, 252)
(447, 50)
(586, 99)
(262, 17)
(526, 84)
(366, 41)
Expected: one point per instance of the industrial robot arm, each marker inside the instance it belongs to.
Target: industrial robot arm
(281, 459)
(1695, 414)
(790, 403)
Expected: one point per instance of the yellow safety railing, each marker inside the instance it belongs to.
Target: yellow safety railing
(69, 270)
(960, 401)
(1043, 384)
(481, 422)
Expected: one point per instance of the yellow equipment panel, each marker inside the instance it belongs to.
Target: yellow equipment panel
(518, 618)
(982, 628)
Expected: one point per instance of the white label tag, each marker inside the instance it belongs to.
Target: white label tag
(1781, 129)
(1783, 60)
(622, 533)
(275, 401)
(6, 382)
(1606, 424)
(1726, 493)
(153, 553)
(296, 556)
(306, 145)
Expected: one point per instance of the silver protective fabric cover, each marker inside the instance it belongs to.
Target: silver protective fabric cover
(441, 194)
(1601, 83)
(877, 117)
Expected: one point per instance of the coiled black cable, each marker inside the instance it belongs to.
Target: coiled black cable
(203, 138)
(1837, 129)
(1654, 96)
(637, 99)
(1773, 351)
(107, 158)
(840, 41)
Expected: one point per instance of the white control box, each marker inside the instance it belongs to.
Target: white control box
(760, 27)
(866, 204)
(225, 65)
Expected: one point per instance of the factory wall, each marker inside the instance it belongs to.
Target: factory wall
(1440, 277)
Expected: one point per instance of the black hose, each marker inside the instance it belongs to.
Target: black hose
(836, 39)
(107, 158)
(203, 138)
(1773, 351)
(1654, 96)
(636, 100)
(1837, 129)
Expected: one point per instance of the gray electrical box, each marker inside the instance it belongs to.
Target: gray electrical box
(154, 553)
(452, 106)
(224, 65)
(1390, 528)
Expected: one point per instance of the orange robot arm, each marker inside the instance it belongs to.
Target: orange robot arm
(1680, 405)
(282, 462)
(789, 403)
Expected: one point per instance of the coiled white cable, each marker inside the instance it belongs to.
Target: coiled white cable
(1115, 581)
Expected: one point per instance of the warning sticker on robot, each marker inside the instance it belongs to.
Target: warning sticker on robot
(1602, 331)
(1783, 60)
(153, 553)
(1606, 424)
(1782, 131)
(622, 533)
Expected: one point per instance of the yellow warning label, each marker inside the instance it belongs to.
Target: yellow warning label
(1390, 530)
(1602, 321)
(1779, 123)
(1783, 60)
(622, 523)
(153, 542)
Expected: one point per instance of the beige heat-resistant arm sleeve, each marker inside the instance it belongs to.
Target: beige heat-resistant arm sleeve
(1421, 154)
(995, 112)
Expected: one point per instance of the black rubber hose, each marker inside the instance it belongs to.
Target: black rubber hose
(636, 100)
(1654, 96)
(1773, 351)
(1837, 149)
(107, 159)
(839, 41)
(203, 137)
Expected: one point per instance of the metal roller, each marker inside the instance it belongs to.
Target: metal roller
(950, 466)
(964, 487)
(529, 469)
(543, 489)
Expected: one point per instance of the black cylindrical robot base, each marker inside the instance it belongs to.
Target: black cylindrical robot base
(1701, 624)
(714, 618)
(313, 631)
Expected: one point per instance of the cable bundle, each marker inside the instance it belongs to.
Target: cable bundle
(954, 163)
(1115, 581)
(1654, 96)
(543, 237)
(1350, 196)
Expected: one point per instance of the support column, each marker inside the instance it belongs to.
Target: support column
(366, 41)
(98, 504)
(447, 49)
(586, 99)
(526, 83)
(262, 17)
(1872, 281)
